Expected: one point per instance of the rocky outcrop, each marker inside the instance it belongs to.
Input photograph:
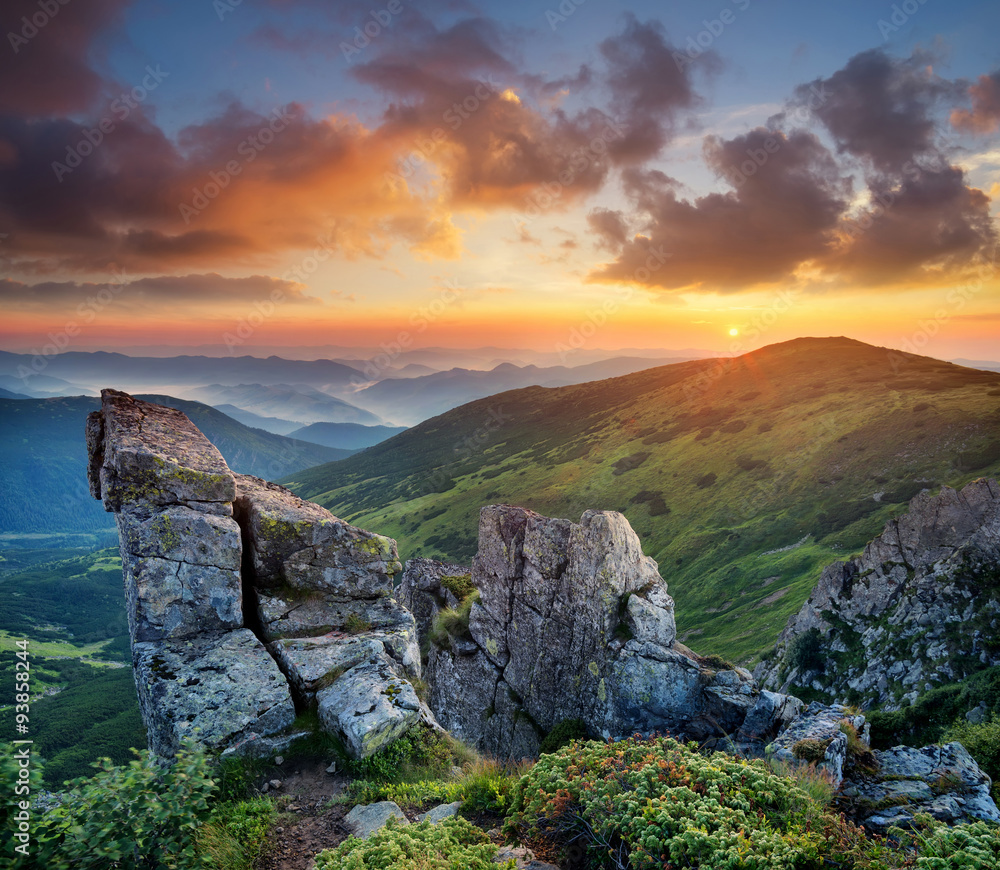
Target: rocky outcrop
(819, 734)
(574, 622)
(245, 602)
(920, 607)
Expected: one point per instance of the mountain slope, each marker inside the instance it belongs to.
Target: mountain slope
(43, 461)
(744, 476)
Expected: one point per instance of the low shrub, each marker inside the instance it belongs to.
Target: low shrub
(459, 585)
(235, 837)
(454, 843)
(143, 815)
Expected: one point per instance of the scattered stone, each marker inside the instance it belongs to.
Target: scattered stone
(365, 820)
(332, 768)
(275, 783)
(440, 813)
(279, 760)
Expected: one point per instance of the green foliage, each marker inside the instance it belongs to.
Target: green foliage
(651, 803)
(421, 753)
(236, 777)
(140, 816)
(96, 715)
(562, 733)
(355, 624)
(459, 585)
(982, 741)
(236, 834)
(717, 662)
(974, 846)
(450, 845)
(926, 719)
(452, 623)
(806, 651)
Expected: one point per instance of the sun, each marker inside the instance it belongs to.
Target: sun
(734, 331)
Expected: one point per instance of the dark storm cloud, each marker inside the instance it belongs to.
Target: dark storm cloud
(879, 108)
(780, 215)
(45, 64)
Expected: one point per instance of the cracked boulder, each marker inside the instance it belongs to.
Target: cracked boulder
(368, 707)
(574, 622)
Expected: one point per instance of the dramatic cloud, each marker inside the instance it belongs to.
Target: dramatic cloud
(648, 87)
(191, 290)
(792, 212)
(985, 114)
(788, 199)
(46, 65)
(879, 108)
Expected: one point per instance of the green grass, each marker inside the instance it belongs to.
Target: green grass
(789, 433)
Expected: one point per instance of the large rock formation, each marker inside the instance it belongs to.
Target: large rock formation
(920, 606)
(574, 622)
(246, 603)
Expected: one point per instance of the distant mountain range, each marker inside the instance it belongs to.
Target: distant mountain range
(350, 436)
(299, 402)
(43, 461)
(743, 476)
(414, 399)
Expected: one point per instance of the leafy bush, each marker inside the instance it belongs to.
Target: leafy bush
(648, 803)
(421, 753)
(805, 652)
(454, 843)
(562, 733)
(142, 815)
(974, 846)
(982, 741)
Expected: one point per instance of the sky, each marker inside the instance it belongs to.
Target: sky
(550, 175)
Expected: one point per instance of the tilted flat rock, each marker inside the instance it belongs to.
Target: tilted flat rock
(574, 622)
(219, 690)
(369, 707)
(919, 607)
(298, 545)
(365, 819)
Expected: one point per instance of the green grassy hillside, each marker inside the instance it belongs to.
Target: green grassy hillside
(742, 476)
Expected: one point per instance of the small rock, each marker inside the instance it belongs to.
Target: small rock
(363, 821)
(440, 813)
(332, 768)
(275, 783)
(264, 788)
(279, 759)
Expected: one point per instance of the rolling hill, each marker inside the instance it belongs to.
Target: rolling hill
(743, 476)
(43, 464)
